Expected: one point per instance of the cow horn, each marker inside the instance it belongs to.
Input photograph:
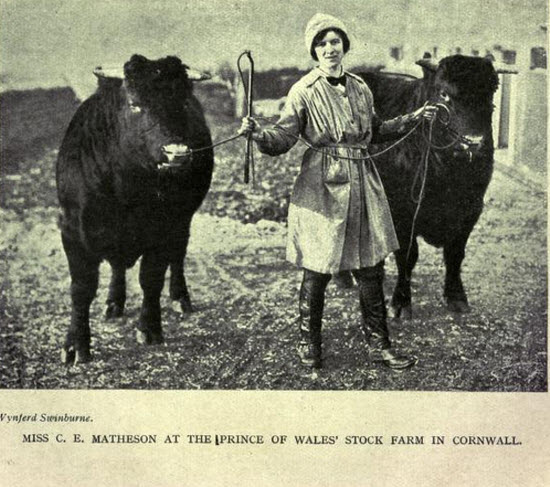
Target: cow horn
(109, 72)
(428, 64)
(196, 75)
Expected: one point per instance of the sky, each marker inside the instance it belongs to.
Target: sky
(43, 40)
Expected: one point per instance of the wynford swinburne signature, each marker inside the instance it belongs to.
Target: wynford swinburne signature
(44, 418)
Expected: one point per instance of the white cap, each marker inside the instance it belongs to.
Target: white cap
(320, 22)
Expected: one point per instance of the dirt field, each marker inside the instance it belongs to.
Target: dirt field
(243, 333)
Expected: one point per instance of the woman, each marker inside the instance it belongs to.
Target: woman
(338, 217)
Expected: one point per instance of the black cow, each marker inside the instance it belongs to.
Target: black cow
(460, 165)
(128, 187)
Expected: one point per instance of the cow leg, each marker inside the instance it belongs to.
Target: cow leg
(401, 300)
(454, 293)
(151, 278)
(84, 272)
(178, 284)
(117, 292)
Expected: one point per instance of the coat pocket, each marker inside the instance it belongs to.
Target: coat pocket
(335, 170)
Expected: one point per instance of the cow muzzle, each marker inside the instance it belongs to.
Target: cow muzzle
(176, 154)
(468, 145)
(471, 142)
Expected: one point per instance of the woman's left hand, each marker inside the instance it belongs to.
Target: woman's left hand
(427, 112)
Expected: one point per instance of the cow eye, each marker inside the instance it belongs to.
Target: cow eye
(444, 96)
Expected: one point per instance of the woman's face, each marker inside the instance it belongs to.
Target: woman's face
(330, 51)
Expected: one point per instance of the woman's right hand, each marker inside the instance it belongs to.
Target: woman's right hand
(250, 126)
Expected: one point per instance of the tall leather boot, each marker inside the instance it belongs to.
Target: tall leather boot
(312, 300)
(373, 310)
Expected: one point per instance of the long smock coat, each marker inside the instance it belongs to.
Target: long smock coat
(338, 218)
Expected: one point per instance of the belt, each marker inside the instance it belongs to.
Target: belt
(330, 150)
(343, 146)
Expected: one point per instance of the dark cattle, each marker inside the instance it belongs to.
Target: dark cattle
(458, 172)
(128, 188)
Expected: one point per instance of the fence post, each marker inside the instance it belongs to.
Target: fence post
(504, 120)
(530, 132)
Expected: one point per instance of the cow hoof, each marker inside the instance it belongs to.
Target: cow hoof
(149, 338)
(457, 306)
(398, 313)
(70, 356)
(407, 312)
(114, 311)
(343, 280)
(186, 306)
(82, 357)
